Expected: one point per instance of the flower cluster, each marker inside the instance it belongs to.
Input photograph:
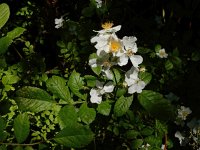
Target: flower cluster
(113, 51)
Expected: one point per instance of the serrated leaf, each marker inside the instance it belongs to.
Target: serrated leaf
(74, 137)
(75, 84)
(135, 144)
(153, 140)
(156, 105)
(21, 127)
(132, 134)
(33, 99)
(10, 79)
(87, 114)
(147, 131)
(157, 48)
(57, 85)
(145, 76)
(4, 14)
(91, 80)
(67, 116)
(122, 105)
(168, 65)
(6, 41)
(117, 76)
(16, 32)
(104, 108)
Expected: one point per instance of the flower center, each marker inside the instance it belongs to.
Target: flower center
(162, 53)
(130, 52)
(106, 64)
(107, 25)
(115, 46)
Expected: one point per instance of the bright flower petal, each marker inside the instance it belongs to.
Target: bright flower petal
(95, 96)
(136, 60)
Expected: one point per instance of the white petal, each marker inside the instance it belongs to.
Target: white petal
(109, 87)
(95, 96)
(108, 74)
(93, 62)
(136, 60)
(123, 60)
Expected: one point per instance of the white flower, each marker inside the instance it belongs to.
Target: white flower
(108, 29)
(93, 62)
(59, 22)
(96, 93)
(145, 146)
(98, 3)
(162, 54)
(180, 137)
(183, 112)
(134, 83)
(130, 49)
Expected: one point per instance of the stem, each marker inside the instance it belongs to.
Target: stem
(17, 144)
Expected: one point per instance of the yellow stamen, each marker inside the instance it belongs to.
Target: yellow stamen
(115, 46)
(107, 25)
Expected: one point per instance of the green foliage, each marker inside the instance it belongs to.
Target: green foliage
(75, 84)
(5, 14)
(122, 105)
(57, 86)
(76, 136)
(21, 127)
(67, 117)
(33, 99)
(104, 108)
(156, 105)
(48, 74)
(87, 115)
(7, 40)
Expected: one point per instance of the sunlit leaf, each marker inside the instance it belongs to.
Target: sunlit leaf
(87, 114)
(74, 137)
(57, 85)
(33, 99)
(122, 105)
(75, 84)
(21, 127)
(4, 14)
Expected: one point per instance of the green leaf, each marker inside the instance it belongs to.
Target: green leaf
(117, 76)
(3, 147)
(153, 140)
(21, 127)
(87, 114)
(168, 65)
(145, 76)
(195, 56)
(132, 134)
(156, 105)
(3, 134)
(122, 105)
(104, 108)
(4, 14)
(10, 79)
(16, 32)
(147, 131)
(6, 41)
(74, 137)
(157, 48)
(67, 116)
(33, 99)
(96, 70)
(176, 61)
(135, 144)
(57, 85)
(91, 80)
(75, 84)
(121, 91)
